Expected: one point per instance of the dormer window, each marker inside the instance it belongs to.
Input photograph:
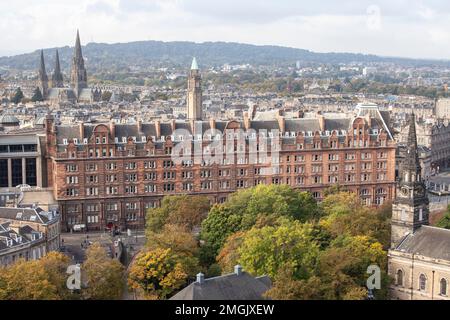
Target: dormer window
(65, 142)
(124, 140)
(75, 141)
(104, 140)
(85, 141)
(144, 139)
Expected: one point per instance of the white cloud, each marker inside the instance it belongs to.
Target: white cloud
(403, 28)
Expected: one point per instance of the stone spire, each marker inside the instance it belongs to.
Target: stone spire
(43, 78)
(410, 209)
(78, 76)
(412, 162)
(57, 78)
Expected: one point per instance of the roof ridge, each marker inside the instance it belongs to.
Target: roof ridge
(437, 228)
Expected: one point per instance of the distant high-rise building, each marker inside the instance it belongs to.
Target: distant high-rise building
(43, 78)
(78, 77)
(194, 96)
(57, 78)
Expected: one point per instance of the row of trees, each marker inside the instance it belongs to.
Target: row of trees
(310, 251)
(46, 279)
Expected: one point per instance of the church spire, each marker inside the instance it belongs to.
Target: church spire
(410, 209)
(412, 162)
(78, 76)
(57, 79)
(78, 53)
(43, 78)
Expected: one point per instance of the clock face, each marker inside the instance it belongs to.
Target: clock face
(420, 192)
(405, 192)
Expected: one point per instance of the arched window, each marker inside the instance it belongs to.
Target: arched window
(400, 278)
(443, 287)
(422, 282)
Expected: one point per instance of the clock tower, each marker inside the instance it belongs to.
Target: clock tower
(194, 94)
(410, 209)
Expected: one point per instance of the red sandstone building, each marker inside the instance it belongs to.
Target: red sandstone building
(108, 175)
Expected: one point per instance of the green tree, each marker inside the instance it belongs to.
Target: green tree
(344, 214)
(340, 273)
(104, 276)
(156, 274)
(267, 250)
(37, 95)
(18, 96)
(183, 245)
(259, 205)
(185, 211)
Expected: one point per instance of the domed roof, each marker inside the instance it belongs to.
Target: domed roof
(9, 120)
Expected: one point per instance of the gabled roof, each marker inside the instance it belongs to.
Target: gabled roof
(228, 287)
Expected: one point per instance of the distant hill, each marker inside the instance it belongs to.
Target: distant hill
(156, 53)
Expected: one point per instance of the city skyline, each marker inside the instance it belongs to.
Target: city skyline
(395, 29)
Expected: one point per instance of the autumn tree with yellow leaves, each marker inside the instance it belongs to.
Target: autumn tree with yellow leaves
(104, 277)
(156, 274)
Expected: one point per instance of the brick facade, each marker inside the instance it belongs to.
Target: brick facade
(108, 175)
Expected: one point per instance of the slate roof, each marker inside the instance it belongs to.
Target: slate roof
(24, 214)
(429, 242)
(149, 129)
(16, 239)
(228, 287)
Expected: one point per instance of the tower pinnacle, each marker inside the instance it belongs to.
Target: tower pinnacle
(43, 78)
(194, 65)
(57, 78)
(78, 76)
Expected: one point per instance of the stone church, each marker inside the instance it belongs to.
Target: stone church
(78, 90)
(419, 259)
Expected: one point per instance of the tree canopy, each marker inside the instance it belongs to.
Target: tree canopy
(104, 276)
(156, 274)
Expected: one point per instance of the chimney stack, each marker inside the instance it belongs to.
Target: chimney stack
(281, 123)
(247, 122)
(139, 125)
(238, 270)
(81, 128)
(158, 129)
(112, 128)
(321, 122)
(200, 278)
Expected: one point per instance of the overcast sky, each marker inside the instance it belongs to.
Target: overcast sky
(407, 28)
